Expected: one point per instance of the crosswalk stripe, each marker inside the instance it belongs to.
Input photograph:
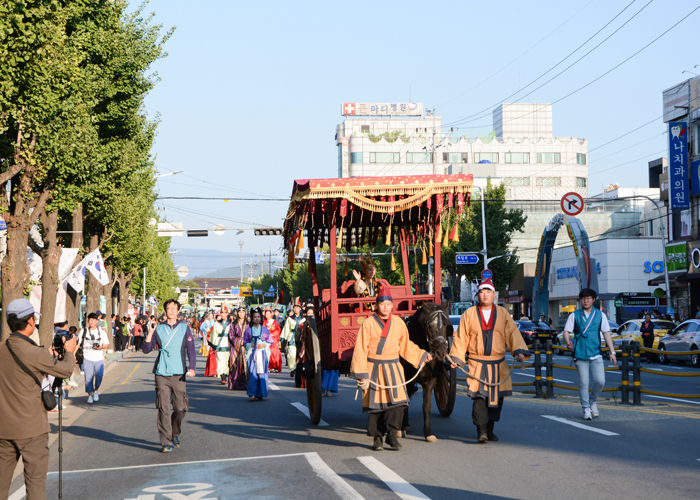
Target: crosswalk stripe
(339, 485)
(305, 411)
(273, 387)
(19, 494)
(581, 426)
(398, 485)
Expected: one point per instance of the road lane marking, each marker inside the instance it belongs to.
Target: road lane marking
(398, 485)
(305, 411)
(672, 399)
(132, 372)
(19, 494)
(581, 426)
(342, 488)
(533, 376)
(273, 386)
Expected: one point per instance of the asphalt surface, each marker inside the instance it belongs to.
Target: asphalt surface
(232, 448)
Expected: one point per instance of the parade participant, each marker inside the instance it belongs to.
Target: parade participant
(205, 329)
(174, 342)
(485, 331)
(380, 341)
(366, 285)
(237, 380)
(299, 380)
(210, 367)
(220, 346)
(257, 340)
(291, 325)
(274, 327)
(587, 324)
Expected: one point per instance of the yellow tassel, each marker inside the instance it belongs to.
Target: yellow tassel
(345, 271)
(431, 249)
(393, 263)
(291, 266)
(455, 233)
(388, 236)
(439, 234)
(446, 240)
(301, 240)
(425, 259)
(339, 241)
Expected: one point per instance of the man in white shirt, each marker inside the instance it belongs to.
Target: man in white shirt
(94, 341)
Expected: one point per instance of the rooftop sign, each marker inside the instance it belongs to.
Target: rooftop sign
(382, 109)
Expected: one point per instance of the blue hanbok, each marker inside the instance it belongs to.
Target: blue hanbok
(257, 341)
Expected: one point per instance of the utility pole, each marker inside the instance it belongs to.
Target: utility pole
(434, 148)
(262, 263)
(269, 263)
(241, 244)
(145, 310)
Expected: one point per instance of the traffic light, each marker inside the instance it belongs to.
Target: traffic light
(197, 233)
(301, 260)
(268, 231)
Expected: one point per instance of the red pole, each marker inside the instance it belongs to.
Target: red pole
(311, 238)
(438, 271)
(334, 287)
(404, 259)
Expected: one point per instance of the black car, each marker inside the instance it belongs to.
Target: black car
(531, 331)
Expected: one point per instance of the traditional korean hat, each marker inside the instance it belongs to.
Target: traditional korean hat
(487, 284)
(224, 309)
(297, 302)
(268, 308)
(384, 294)
(367, 261)
(309, 305)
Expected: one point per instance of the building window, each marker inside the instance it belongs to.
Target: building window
(490, 157)
(364, 129)
(581, 182)
(516, 181)
(419, 158)
(454, 158)
(548, 157)
(517, 157)
(355, 157)
(580, 158)
(384, 157)
(549, 181)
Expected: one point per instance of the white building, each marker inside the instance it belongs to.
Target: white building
(396, 139)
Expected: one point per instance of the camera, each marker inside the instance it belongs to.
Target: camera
(96, 345)
(59, 343)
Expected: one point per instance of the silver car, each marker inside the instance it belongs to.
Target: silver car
(685, 337)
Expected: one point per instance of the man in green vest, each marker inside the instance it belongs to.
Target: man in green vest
(587, 324)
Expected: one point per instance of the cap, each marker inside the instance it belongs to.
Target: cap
(487, 284)
(99, 313)
(21, 308)
(384, 294)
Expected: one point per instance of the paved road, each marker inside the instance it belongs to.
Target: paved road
(232, 448)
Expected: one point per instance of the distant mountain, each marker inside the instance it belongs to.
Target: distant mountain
(218, 264)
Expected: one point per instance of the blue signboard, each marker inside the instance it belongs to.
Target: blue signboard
(269, 294)
(272, 289)
(3, 224)
(467, 258)
(235, 290)
(320, 259)
(694, 178)
(486, 274)
(678, 165)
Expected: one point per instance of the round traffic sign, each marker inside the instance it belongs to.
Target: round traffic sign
(182, 271)
(572, 204)
(220, 229)
(486, 274)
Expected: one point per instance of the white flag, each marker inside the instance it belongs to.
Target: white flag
(95, 264)
(76, 279)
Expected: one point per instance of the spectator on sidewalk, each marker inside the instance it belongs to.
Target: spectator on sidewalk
(587, 324)
(175, 342)
(25, 428)
(94, 341)
(646, 329)
(138, 334)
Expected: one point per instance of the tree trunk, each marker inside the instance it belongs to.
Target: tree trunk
(73, 299)
(50, 257)
(107, 291)
(94, 287)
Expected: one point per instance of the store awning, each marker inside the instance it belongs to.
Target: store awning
(673, 278)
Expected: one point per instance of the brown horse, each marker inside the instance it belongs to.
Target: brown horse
(430, 329)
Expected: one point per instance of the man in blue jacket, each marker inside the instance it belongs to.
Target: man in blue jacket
(175, 343)
(587, 324)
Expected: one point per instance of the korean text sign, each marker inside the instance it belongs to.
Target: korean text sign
(678, 165)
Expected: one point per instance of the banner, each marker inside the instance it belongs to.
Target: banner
(95, 264)
(678, 165)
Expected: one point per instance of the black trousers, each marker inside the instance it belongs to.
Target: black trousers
(137, 343)
(649, 344)
(385, 422)
(482, 414)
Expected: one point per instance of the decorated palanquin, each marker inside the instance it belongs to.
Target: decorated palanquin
(409, 213)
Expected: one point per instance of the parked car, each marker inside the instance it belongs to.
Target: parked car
(535, 330)
(629, 331)
(454, 319)
(685, 337)
(614, 327)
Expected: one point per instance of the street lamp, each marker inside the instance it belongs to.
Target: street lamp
(483, 228)
(165, 175)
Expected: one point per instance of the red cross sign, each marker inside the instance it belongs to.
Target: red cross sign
(349, 108)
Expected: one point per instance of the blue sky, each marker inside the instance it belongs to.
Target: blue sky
(251, 91)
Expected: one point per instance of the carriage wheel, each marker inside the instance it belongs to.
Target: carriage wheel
(314, 381)
(446, 390)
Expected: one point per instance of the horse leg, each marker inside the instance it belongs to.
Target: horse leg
(428, 387)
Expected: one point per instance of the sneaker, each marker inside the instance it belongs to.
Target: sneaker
(90, 400)
(73, 383)
(95, 396)
(594, 410)
(587, 414)
(176, 441)
(82, 372)
(168, 448)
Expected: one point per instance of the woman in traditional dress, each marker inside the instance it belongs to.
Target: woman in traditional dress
(275, 330)
(237, 380)
(204, 330)
(257, 341)
(219, 345)
(210, 370)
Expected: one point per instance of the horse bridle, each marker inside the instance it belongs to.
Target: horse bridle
(439, 316)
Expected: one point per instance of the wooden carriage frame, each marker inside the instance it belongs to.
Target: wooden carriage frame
(354, 211)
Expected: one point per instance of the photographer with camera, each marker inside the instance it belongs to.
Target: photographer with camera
(94, 341)
(25, 427)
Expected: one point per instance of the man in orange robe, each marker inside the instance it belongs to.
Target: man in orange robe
(485, 331)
